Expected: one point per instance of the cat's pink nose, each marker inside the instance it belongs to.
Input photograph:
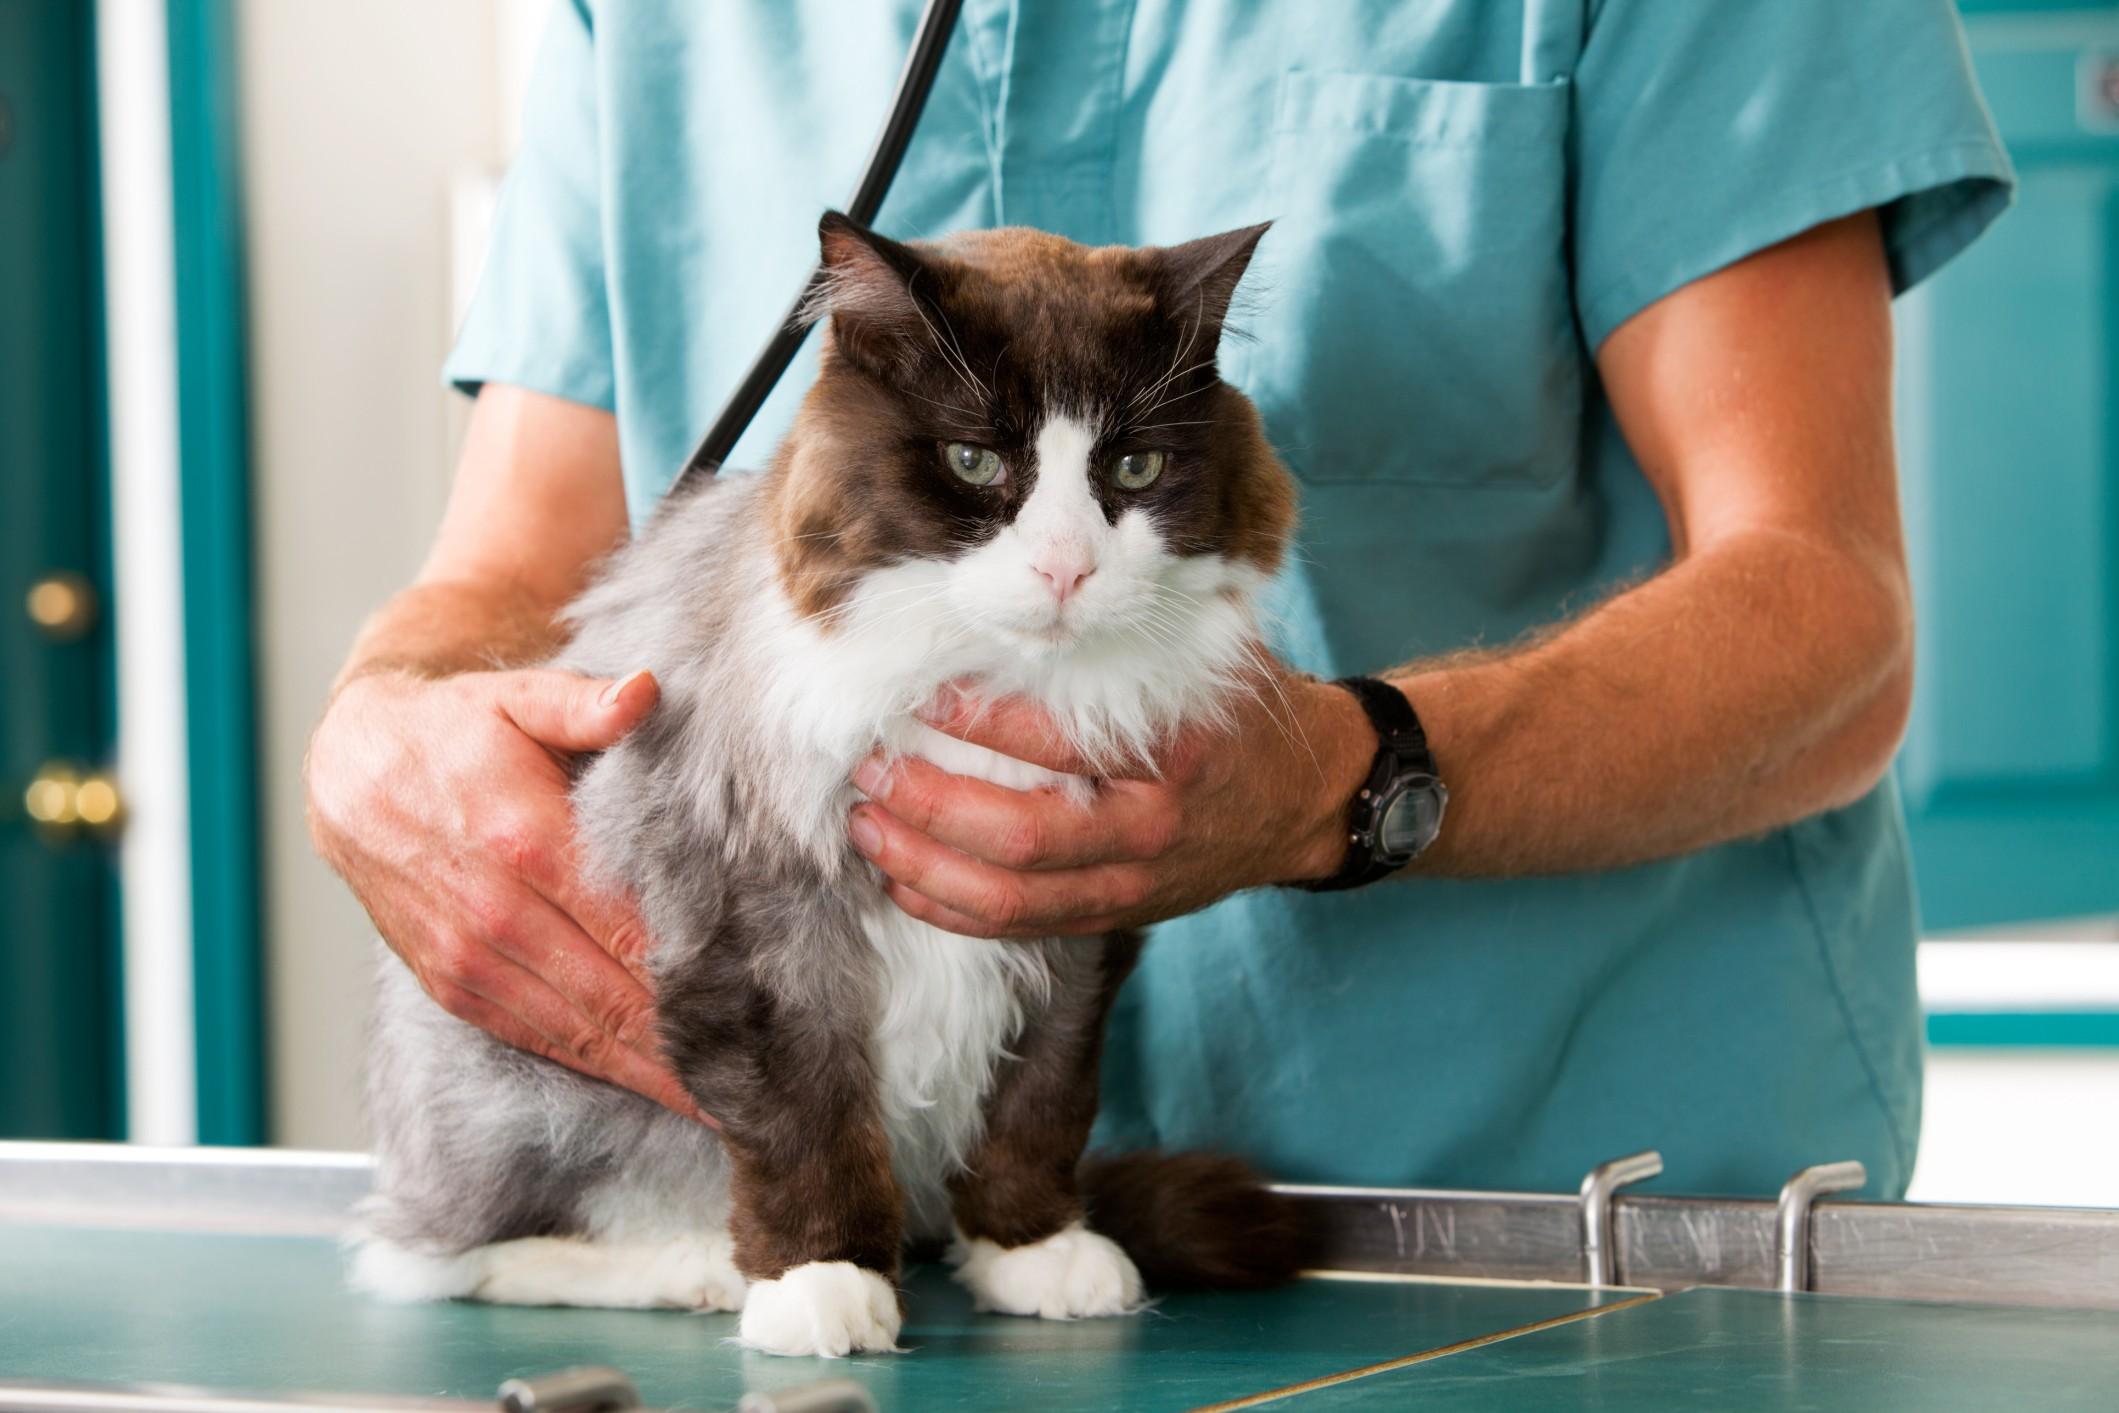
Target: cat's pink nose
(1063, 572)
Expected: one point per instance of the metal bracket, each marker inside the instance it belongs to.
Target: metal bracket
(1791, 1219)
(830, 1396)
(1600, 1249)
(589, 1389)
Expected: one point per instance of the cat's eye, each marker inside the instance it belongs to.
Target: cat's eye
(1137, 470)
(977, 465)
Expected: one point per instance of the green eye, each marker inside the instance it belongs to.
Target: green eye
(1137, 470)
(978, 465)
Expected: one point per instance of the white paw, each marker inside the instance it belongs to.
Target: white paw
(832, 1308)
(1071, 1274)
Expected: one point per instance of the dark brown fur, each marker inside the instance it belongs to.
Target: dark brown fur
(970, 340)
(793, 1089)
(1018, 1184)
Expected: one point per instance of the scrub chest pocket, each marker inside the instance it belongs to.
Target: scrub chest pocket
(1419, 244)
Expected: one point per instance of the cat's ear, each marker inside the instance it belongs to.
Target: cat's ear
(869, 291)
(1198, 279)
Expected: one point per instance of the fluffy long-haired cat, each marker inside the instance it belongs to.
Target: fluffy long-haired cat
(1018, 468)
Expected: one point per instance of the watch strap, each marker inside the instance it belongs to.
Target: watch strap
(1397, 724)
(1401, 750)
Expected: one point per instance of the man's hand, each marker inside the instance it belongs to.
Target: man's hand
(1218, 811)
(443, 804)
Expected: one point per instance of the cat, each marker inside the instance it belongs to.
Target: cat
(1019, 469)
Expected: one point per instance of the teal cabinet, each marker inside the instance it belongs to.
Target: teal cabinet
(2008, 388)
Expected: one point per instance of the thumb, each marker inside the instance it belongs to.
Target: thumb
(572, 713)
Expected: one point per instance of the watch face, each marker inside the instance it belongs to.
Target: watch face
(1413, 817)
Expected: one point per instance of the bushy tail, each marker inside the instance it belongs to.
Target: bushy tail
(1196, 1220)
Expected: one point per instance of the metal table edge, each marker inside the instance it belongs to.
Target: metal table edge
(2054, 1256)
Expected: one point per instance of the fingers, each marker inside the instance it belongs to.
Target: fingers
(611, 920)
(538, 937)
(567, 712)
(1010, 726)
(516, 1006)
(544, 855)
(532, 835)
(535, 964)
(995, 901)
(949, 920)
(1022, 829)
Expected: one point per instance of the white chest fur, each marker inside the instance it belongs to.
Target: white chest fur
(948, 1006)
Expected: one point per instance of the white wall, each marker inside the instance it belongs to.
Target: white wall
(2016, 1126)
(2034, 1125)
(359, 122)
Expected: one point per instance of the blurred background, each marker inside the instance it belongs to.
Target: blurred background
(235, 237)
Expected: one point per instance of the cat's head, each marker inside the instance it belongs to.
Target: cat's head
(1027, 442)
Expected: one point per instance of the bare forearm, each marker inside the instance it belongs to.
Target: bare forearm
(443, 627)
(1747, 686)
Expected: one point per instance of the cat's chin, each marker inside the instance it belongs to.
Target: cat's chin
(1053, 641)
(1093, 631)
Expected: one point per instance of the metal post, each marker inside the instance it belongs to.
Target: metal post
(1791, 1219)
(1600, 1258)
(589, 1389)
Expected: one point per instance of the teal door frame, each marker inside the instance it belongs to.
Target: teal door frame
(220, 674)
(62, 1052)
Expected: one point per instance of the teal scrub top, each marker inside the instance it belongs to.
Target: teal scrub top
(1468, 196)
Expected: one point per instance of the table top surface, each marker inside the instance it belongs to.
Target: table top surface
(272, 1314)
(1754, 1349)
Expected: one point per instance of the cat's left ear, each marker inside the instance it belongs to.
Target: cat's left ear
(1199, 278)
(869, 292)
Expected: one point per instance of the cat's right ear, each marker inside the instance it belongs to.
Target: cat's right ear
(1199, 278)
(870, 291)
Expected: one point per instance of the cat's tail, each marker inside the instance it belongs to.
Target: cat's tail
(1196, 1219)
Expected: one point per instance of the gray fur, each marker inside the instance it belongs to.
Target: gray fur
(479, 1142)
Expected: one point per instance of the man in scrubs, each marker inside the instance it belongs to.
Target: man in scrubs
(1572, 324)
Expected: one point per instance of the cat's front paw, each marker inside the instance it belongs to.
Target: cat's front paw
(1072, 1274)
(828, 1308)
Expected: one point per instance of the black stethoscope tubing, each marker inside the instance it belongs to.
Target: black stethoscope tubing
(914, 84)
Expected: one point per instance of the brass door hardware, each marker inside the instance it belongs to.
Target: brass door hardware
(63, 605)
(64, 802)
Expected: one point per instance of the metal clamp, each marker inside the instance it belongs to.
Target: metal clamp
(830, 1396)
(1600, 1254)
(589, 1389)
(1791, 1219)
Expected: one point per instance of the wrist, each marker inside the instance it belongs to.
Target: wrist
(372, 677)
(1345, 747)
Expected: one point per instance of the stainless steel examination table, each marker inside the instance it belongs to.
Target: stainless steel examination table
(159, 1281)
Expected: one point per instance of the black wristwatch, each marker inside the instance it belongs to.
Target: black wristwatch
(1397, 812)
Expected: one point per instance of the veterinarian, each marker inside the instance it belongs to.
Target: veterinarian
(1573, 325)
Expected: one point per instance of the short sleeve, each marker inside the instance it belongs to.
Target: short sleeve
(1708, 130)
(540, 317)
